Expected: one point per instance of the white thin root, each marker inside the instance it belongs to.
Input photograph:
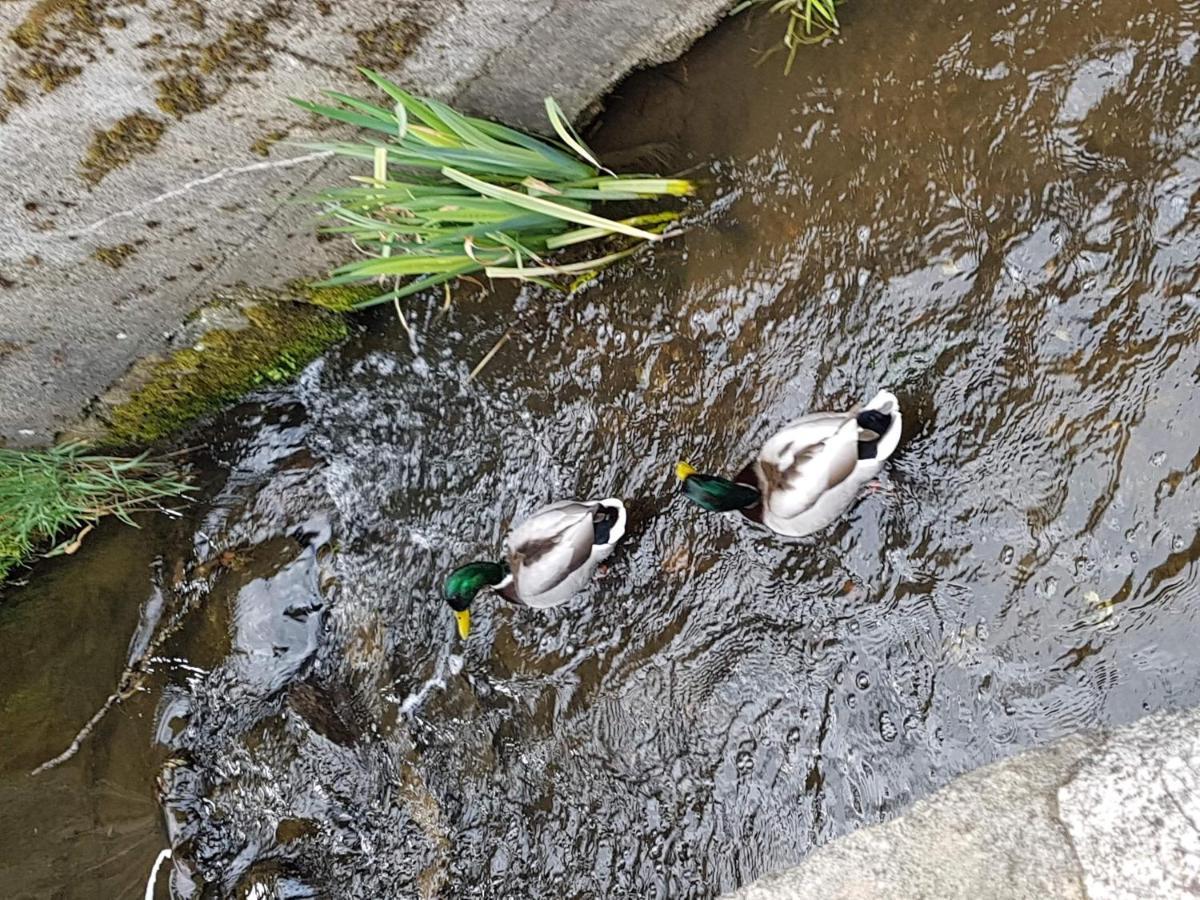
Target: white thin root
(488, 357)
(403, 321)
(163, 856)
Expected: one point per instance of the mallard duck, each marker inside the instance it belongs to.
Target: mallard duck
(807, 474)
(548, 557)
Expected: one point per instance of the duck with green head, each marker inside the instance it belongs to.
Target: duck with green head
(549, 557)
(808, 473)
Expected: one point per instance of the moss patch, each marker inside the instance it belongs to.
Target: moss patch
(262, 146)
(114, 257)
(50, 75)
(58, 36)
(14, 94)
(342, 298)
(47, 24)
(280, 337)
(132, 136)
(200, 74)
(192, 12)
(10, 557)
(181, 95)
(243, 47)
(381, 46)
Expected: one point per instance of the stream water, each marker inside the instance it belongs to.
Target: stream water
(991, 210)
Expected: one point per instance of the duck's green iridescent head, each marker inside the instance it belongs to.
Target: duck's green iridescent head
(713, 493)
(464, 583)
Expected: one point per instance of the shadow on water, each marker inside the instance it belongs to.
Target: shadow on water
(993, 211)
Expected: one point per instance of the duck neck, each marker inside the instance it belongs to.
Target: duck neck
(718, 494)
(466, 581)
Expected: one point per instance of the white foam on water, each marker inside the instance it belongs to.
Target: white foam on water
(448, 664)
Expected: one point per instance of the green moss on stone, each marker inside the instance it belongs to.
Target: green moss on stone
(10, 558)
(50, 75)
(132, 136)
(77, 17)
(280, 338)
(242, 48)
(262, 146)
(382, 45)
(342, 298)
(114, 257)
(181, 95)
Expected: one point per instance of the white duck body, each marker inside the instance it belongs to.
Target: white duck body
(553, 554)
(810, 472)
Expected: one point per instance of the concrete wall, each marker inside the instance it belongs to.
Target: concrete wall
(1091, 816)
(146, 161)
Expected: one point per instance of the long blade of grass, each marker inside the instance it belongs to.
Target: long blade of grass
(415, 107)
(418, 285)
(582, 235)
(345, 115)
(551, 153)
(562, 126)
(362, 106)
(547, 207)
(565, 269)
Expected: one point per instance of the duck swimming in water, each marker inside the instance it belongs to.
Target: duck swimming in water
(549, 557)
(807, 474)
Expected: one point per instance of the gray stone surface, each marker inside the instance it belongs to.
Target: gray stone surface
(99, 263)
(1093, 815)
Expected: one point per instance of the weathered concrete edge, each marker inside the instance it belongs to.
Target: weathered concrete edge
(98, 276)
(1094, 814)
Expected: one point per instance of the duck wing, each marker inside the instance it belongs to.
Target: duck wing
(806, 459)
(551, 545)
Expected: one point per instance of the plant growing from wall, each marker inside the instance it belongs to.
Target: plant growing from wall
(809, 22)
(451, 195)
(46, 495)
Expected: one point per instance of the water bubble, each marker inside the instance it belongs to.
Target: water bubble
(745, 762)
(887, 728)
(852, 700)
(862, 681)
(1177, 543)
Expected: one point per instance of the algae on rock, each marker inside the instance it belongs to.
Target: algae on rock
(258, 338)
(132, 136)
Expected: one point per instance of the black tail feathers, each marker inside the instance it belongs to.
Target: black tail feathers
(603, 519)
(877, 423)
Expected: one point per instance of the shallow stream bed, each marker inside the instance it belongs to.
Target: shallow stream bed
(992, 211)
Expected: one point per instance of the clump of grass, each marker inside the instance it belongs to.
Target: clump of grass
(451, 195)
(46, 495)
(809, 22)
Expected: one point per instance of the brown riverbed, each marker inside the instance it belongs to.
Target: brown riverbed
(992, 211)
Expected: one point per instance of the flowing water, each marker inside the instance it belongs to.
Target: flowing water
(992, 211)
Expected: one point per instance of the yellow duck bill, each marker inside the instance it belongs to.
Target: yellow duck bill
(464, 623)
